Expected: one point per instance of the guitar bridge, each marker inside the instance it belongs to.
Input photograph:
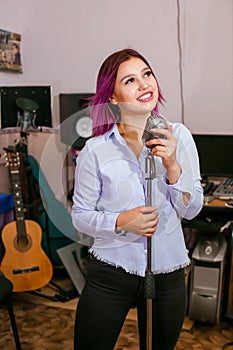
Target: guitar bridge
(26, 270)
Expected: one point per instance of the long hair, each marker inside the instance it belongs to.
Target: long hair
(104, 114)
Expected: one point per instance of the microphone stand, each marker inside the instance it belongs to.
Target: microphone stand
(149, 287)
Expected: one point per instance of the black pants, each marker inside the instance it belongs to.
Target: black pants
(108, 296)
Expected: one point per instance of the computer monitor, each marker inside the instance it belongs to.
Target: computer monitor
(215, 154)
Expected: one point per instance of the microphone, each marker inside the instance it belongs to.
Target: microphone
(26, 114)
(25, 122)
(154, 121)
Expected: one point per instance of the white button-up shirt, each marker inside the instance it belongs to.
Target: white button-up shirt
(110, 179)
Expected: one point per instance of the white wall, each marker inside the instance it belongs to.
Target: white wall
(64, 43)
(207, 28)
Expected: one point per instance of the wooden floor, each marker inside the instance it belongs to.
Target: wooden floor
(45, 325)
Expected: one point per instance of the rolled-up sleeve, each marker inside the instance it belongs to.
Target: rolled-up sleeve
(189, 180)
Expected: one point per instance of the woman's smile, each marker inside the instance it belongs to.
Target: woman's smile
(148, 96)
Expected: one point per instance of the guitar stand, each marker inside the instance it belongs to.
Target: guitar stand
(64, 294)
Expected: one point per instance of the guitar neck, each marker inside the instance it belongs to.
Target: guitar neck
(18, 200)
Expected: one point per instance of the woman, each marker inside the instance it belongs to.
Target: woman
(17, 56)
(110, 206)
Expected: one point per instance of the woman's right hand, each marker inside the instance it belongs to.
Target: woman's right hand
(141, 220)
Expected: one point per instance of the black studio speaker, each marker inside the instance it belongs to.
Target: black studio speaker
(75, 122)
(12, 98)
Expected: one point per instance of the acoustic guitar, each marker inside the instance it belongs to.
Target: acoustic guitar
(25, 263)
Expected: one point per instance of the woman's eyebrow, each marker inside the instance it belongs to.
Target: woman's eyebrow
(133, 74)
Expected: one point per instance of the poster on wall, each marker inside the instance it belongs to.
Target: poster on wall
(10, 54)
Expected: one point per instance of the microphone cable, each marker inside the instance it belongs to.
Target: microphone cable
(180, 61)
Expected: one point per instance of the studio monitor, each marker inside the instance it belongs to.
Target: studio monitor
(75, 122)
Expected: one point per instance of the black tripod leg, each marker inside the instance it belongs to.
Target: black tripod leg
(13, 324)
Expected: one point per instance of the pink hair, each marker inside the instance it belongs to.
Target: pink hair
(104, 114)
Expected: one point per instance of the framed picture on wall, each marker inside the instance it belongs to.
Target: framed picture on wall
(10, 52)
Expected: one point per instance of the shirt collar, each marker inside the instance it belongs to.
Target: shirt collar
(113, 132)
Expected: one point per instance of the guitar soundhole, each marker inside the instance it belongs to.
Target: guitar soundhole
(22, 243)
